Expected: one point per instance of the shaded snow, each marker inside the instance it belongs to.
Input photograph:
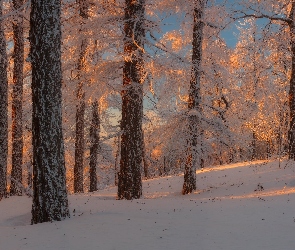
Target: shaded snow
(225, 213)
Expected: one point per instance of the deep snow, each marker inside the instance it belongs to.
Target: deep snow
(226, 213)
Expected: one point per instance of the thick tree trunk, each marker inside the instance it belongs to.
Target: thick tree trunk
(50, 200)
(80, 111)
(3, 109)
(17, 99)
(130, 183)
(94, 147)
(193, 144)
(291, 132)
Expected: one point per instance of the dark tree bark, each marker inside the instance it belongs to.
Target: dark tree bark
(3, 110)
(130, 183)
(254, 155)
(117, 159)
(80, 108)
(17, 99)
(50, 202)
(94, 147)
(291, 132)
(144, 159)
(193, 156)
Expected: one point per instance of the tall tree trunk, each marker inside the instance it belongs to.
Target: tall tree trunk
(80, 112)
(117, 160)
(50, 202)
(254, 153)
(94, 147)
(130, 183)
(144, 159)
(291, 132)
(17, 99)
(193, 153)
(3, 109)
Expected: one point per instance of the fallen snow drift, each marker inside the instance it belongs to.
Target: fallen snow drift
(237, 207)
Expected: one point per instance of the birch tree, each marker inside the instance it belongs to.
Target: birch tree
(50, 201)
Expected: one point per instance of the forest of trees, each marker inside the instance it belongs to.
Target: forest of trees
(110, 92)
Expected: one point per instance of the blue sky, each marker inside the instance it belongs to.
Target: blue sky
(230, 34)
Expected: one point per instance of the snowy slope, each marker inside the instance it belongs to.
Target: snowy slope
(226, 213)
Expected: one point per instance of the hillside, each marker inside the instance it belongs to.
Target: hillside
(240, 206)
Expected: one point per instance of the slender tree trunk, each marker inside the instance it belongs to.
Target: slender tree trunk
(3, 110)
(117, 160)
(50, 202)
(17, 99)
(130, 183)
(80, 112)
(145, 163)
(94, 148)
(194, 142)
(30, 171)
(79, 142)
(291, 132)
(254, 155)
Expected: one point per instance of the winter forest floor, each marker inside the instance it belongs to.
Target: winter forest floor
(238, 207)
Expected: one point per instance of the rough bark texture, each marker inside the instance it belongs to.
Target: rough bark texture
(291, 133)
(17, 99)
(3, 110)
(80, 108)
(193, 156)
(94, 147)
(129, 181)
(50, 202)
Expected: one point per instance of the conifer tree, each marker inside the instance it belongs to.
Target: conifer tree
(50, 200)
(3, 109)
(80, 95)
(94, 147)
(129, 181)
(193, 147)
(17, 99)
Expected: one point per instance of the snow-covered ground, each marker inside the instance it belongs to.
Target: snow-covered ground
(226, 213)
